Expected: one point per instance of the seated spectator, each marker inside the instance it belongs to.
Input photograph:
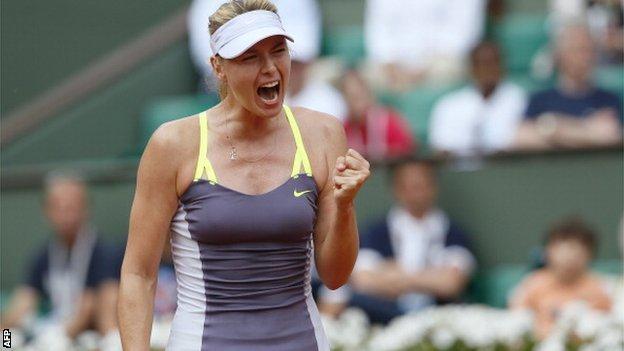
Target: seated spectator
(575, 113)
(71, 272)
(482, 117)
(302, 19)
(415, 257)
(605, 21)
(409, 42)
(376, 131)
(565, 278)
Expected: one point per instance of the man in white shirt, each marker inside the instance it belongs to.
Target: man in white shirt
(482, 117)
(415, 257)
(302, 19)
(421, 40)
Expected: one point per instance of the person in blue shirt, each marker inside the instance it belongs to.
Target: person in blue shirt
(413, 258)
(575, 113)
(75, 274)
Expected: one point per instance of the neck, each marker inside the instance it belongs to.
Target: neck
(487, 91)
(241, 123)
(70, 240)
(418, 213)
(568, 280)
(573, 86)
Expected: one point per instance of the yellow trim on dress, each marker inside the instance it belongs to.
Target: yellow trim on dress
(205, 167)
(301, 157)
(203, 164)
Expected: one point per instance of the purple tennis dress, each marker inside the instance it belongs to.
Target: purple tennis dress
(242, 262)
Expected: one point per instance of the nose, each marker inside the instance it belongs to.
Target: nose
(268, 65)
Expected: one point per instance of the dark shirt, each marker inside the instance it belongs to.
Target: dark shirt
(377, 238)
(104, 265)
(579, 106)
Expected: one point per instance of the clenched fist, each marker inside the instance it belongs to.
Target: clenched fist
(350, 173)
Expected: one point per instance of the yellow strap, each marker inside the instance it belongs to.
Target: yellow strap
(301, 157)
(203, 164)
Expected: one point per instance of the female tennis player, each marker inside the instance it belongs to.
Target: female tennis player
(247, 190)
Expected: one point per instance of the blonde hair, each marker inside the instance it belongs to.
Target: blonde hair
(230, 10)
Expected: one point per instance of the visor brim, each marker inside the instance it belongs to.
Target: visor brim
(242, 43)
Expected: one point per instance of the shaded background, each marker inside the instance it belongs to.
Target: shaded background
(505, 204)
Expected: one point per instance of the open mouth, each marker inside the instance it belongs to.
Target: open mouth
(269, 92)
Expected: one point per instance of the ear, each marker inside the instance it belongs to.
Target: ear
(217, 67)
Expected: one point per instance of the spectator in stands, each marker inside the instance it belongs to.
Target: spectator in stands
(482, 117)
(302, 19)
(575, 113)
(410, 41)
(376, 131)
(71, 272)
(566, 277)
(605, 21)
(415, 257)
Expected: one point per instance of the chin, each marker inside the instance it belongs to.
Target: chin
(269, 110)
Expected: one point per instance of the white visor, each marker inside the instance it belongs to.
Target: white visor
(243, 31)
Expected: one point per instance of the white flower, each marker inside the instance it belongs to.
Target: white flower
(443, 338)
(88, 340)
(53, 338)
(160, 333)
(555, 342)
(590, 324)
(349, 331)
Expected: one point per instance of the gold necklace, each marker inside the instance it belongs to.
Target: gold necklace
(233, 154)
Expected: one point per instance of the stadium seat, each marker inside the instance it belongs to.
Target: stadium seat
(521, 36)
(346, 42)
(493, 286)
(612, 79)
(417, 104)
(612, 267)
(529, 84)
(166, 109)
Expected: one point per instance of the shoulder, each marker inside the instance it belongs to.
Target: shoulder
(316, 119)
(39, 261)
(457, 96)
(543, 95)
(511, 89)
(606, 96)
(171, 133)
(457, 99)
(376, 235)
(173, 138)
(456, 236)
(539, 279)
(320, 127)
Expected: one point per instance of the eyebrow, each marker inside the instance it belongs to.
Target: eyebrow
(253, 50)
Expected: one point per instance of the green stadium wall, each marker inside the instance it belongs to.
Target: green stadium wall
(505, 205)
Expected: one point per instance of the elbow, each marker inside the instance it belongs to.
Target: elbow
(453, 289)
(334, 282)
(333, 285)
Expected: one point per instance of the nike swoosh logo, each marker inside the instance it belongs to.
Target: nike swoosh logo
(297, 194)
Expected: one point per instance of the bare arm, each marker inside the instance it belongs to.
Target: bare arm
(379, 282)
(81, 319)
(335, 234)
(155, 202)
(557, 130)
(23, 303)
(443, 282)
(391, 281)
(106, 316)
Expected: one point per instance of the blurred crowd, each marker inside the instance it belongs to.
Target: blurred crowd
(416, 255)
(411, 44)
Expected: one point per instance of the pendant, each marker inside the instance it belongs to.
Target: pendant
(233, 155)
